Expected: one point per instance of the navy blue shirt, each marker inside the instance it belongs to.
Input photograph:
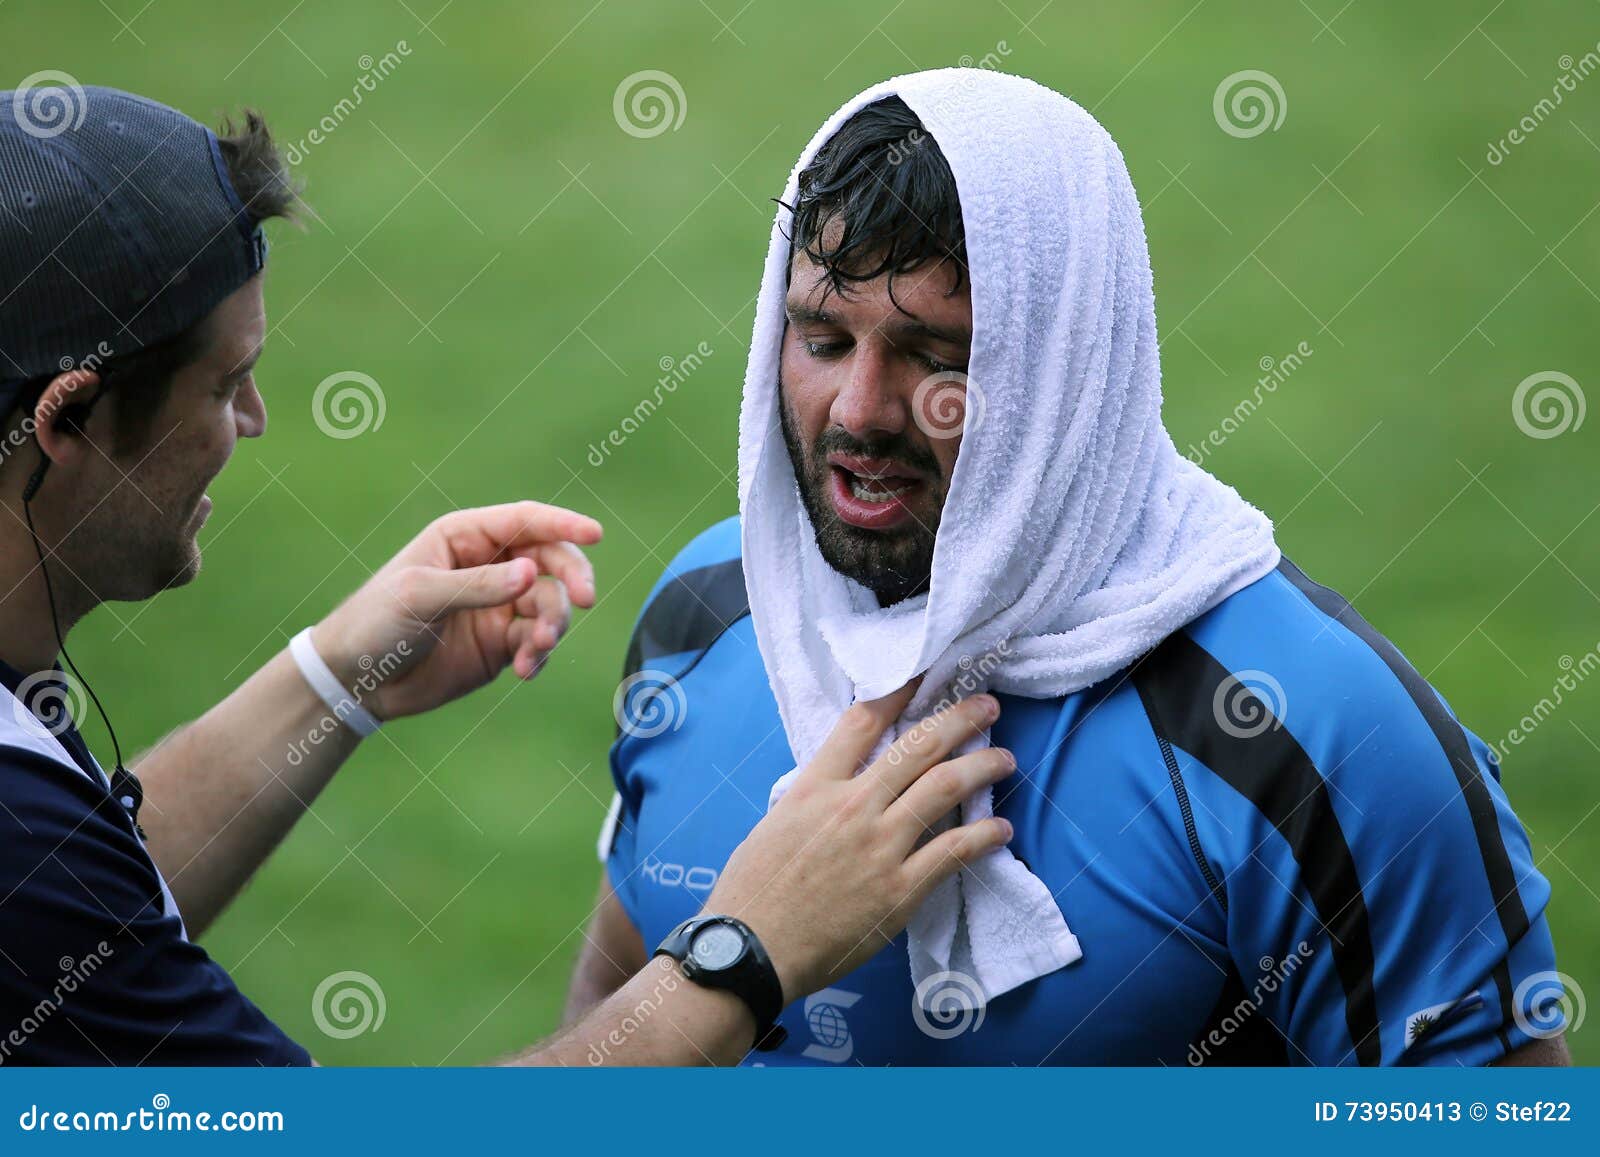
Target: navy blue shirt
(94, 969)
(1272, 838)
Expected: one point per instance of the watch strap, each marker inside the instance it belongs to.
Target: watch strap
(752, 978)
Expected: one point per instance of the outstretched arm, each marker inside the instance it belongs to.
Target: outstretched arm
(476, 592)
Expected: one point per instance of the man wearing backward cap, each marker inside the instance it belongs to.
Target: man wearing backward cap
(131, 321)
(1247, 831)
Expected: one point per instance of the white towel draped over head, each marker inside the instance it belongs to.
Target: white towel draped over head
(1074, 536)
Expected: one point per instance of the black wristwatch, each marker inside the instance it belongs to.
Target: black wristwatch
(721, 952)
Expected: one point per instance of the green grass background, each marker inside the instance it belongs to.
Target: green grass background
(558, 259)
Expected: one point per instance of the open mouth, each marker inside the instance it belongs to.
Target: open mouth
(877, 488)
(873, 493)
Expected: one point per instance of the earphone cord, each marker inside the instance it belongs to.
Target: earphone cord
(121, 773)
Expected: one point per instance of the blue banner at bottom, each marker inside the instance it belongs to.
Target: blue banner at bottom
(812, 1112)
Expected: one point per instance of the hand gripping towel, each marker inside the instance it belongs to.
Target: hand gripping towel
(1074, 536)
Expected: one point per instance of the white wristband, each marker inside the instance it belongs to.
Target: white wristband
(327, 686)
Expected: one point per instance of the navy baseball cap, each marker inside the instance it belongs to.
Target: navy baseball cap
(119, 228)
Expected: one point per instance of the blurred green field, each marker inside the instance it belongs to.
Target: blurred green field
(512, 268)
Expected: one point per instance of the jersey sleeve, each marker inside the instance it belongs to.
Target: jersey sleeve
(618, 838)
(697, 597)
(92, 969)
(1435, 948)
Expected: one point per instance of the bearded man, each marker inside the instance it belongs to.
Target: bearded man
(1247, 831)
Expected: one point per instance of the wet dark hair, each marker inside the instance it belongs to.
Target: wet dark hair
(883, 178)
(138, 382)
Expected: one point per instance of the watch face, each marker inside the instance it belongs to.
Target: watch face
(716, 946)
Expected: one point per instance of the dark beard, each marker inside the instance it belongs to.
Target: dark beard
(894, 565)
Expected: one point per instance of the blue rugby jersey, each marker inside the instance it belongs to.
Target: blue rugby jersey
(1273, 839)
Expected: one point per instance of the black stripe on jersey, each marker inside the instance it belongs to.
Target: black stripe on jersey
(1248, 1037)
(689, 613)
(1451, 737)
(1178, 683)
